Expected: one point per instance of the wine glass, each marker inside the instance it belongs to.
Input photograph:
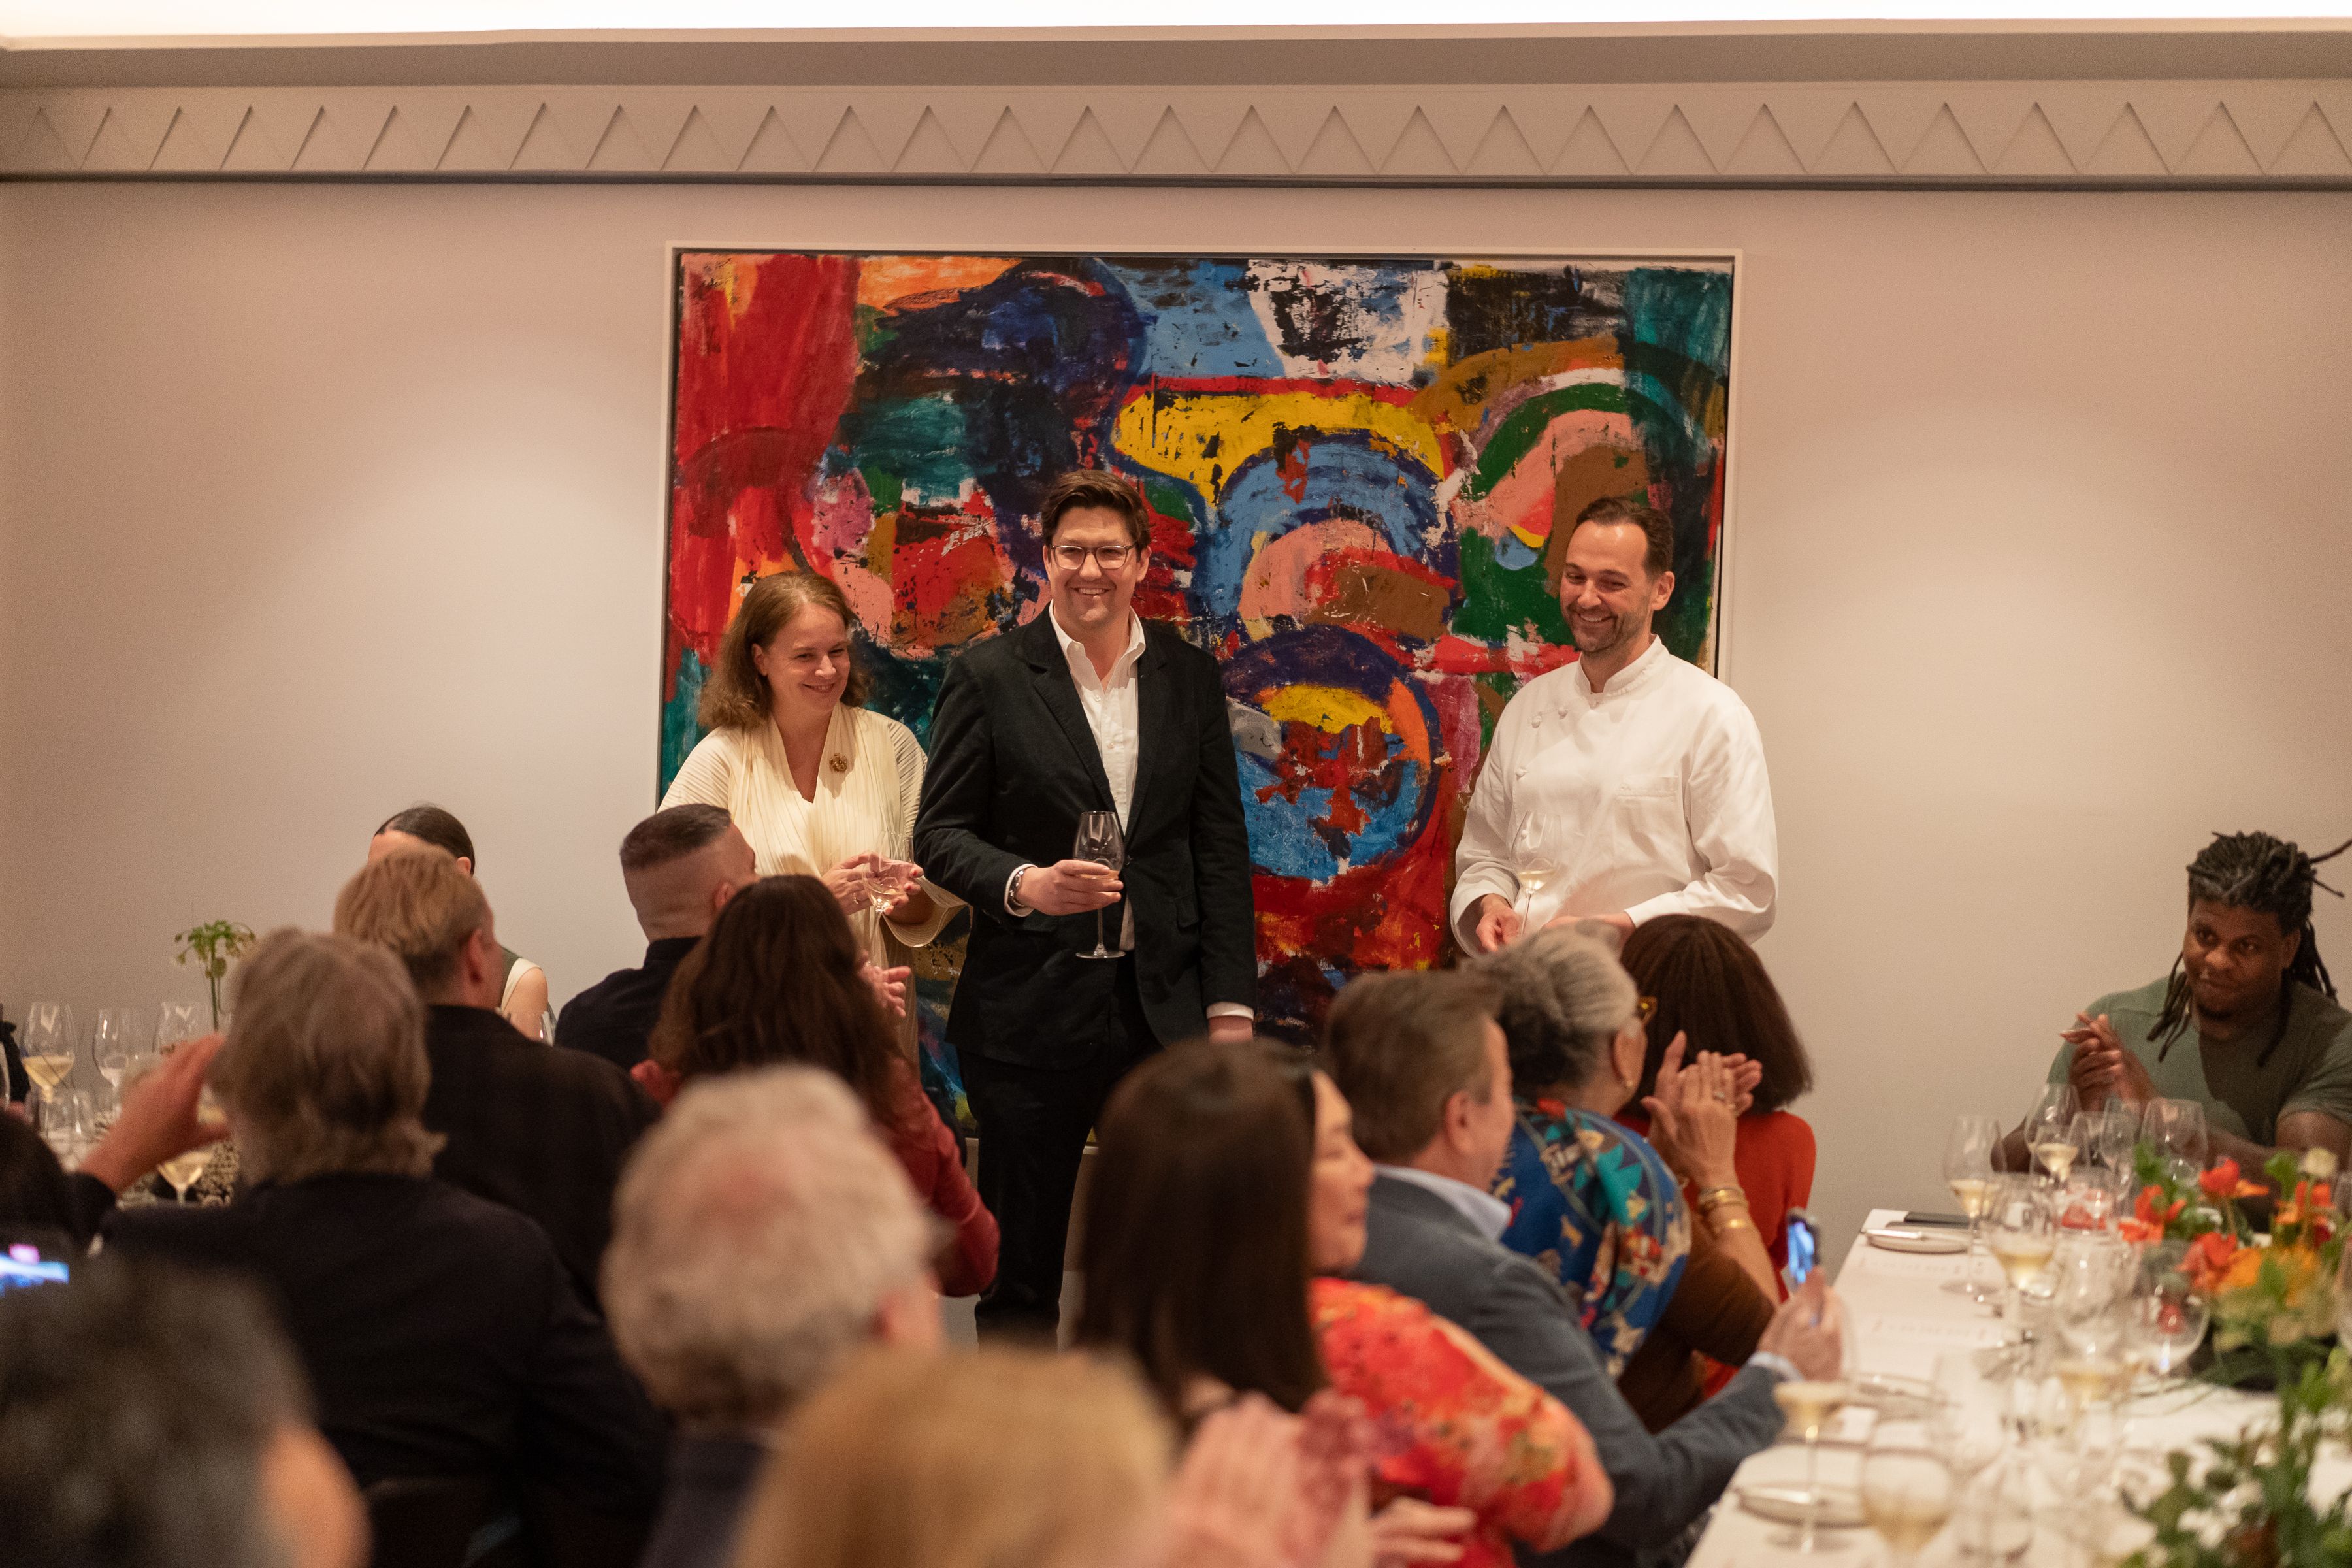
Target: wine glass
(115, 1044)
(1971, 1415)
(1099, 841)
(49, 1043)
(182, 1170)
(2086, 1203)
(1968, 1150)
(2177, 1128)
(1808, 1403)
(176, 1022)
(2169, 1315)
(1534, 864)
(2087, 1299)
(64, 1118)
(2021, 1230)
(2050, 1129)
(1907, 1486)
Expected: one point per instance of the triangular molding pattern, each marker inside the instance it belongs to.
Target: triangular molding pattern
(2229, 133)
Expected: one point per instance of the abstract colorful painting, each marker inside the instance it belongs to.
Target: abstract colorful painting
(1362, 470)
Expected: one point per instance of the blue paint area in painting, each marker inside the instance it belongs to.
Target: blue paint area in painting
(678, 730)
(1347, 475)
(1197, 319)
(1289, 773)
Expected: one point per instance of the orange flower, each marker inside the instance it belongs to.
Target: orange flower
(2146, 1212)
(2138, 1230)
(2222, 1182)
(2208, 1260)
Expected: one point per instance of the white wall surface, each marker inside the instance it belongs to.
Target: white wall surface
(316, 500)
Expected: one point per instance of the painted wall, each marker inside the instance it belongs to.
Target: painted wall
(316, 501)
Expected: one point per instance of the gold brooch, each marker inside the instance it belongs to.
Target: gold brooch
(840, 764)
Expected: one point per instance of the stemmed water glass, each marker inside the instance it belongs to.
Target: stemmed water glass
(115, 1045)
(1907, 1486)
(2176, 1129)
(1968, 1153)
(1100, 840)
(2089, 1303)
(2049, 1129)
(2169, 1315)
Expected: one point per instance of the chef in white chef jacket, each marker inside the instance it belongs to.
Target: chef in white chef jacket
(1627, 785)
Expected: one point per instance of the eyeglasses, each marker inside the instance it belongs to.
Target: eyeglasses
(1109, 557)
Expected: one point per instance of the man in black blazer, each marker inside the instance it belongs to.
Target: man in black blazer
(1086, 707)
(542, 1130)
(1426, 1071)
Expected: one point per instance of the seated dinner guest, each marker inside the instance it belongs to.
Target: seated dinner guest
(1226, 1197)
(1422, 1061)
(780, 979)
(441, 1336)
(817, 783)
(763, 1234)
(680, 866)
(1020, 1459)
(1628, 785)
(152, 1418)
(1595, 1203)
(522, 985)
(542, 1132)
(2246, 1025)
(1711, 990)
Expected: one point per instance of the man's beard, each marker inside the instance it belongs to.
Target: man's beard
(1622, 631)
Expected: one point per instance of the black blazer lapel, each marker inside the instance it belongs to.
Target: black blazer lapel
(1050, 669)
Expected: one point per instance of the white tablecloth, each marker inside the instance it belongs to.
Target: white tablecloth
(1901, 1320)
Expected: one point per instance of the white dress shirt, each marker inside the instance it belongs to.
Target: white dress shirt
(1648, 796)
(1114, 718)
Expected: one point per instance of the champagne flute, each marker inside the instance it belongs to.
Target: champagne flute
(1907, 1488)
(2022, 1230)
(2050, 1129)
(1968, 1166)
(1099, 841)
(49, 1043)
(1808, 1403)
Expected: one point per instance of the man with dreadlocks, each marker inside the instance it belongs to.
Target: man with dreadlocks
(2246, 1024)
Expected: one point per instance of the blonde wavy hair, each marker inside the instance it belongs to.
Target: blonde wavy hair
(419, 904)
(999, 1458)
(324, 1069)
(736, 696)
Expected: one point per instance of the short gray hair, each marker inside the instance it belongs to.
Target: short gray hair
(1564, 998)
(756, 1232)
(324, 1069)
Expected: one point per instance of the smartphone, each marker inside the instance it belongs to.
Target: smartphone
(23, 1264)
(1804, 1247)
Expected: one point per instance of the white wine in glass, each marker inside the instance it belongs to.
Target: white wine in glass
(182, 1170)
(2057, 1157)
(49, 1069)
(1907, 1488)
(2088, 1379)
(1968, 1152)
(1808, 1402)
(2024, 1258)
(1974, 1194)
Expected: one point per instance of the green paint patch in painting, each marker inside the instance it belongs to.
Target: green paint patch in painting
(916, 443)
(1526, 425)
(1497, 601)
(679, 731)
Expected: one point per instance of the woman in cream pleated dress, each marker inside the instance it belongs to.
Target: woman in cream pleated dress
(817, 784)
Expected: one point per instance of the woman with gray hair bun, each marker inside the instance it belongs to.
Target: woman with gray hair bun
(1600, 1205)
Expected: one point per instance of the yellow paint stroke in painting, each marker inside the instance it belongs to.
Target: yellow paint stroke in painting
(735, 278)
(1328, 708)
(1204, 436)
(1457, 399)
(884, 280)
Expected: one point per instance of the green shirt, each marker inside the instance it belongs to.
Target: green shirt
(2309, 1070)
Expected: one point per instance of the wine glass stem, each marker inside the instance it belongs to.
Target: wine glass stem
(1099, 932)
(1813, 1486)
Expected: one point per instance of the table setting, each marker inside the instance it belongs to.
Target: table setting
(2097, 1361)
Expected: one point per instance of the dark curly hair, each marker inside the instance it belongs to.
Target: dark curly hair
(2269, 876)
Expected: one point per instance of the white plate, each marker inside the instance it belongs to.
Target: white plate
(1917, 1240)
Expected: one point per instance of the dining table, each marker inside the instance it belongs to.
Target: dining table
(1899, 1319)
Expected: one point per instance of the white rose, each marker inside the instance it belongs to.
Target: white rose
(2319, 1165)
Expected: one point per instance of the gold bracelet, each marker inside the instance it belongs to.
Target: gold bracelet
(1715, 1196)
(1725, 1227)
